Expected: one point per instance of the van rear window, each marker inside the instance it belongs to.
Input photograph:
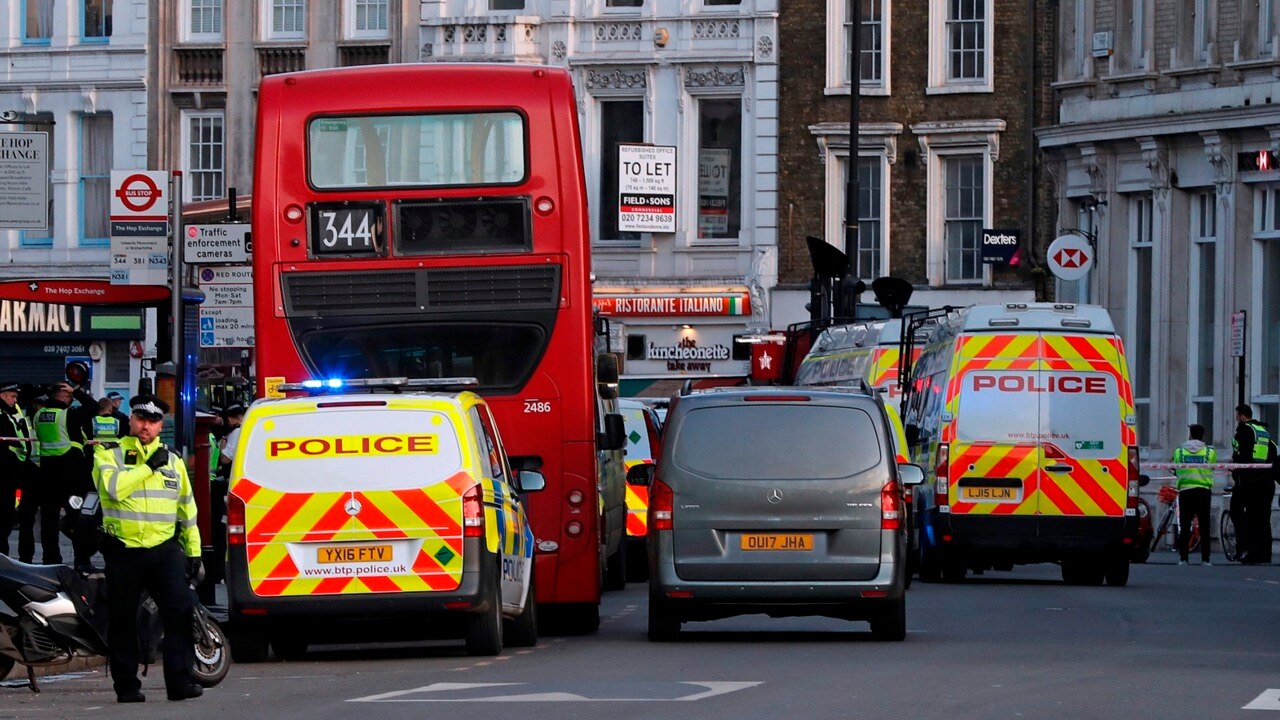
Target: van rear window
(765, 441)
(1080, 411)
(351, 449)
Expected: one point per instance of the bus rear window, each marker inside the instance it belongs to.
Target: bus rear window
(442, 150)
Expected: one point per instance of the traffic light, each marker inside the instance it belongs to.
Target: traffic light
(79, 372)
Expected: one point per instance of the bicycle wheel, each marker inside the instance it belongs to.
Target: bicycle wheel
(1194, 544)
(1165, 521)
(1227, 536)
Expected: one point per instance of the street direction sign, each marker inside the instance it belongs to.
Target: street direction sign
(1070, 257)
(224, 244)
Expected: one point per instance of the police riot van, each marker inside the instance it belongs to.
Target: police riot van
(1023, 418)
(843, 354)
(364, 516)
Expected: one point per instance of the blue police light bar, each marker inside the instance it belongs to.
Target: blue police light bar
(316, 386)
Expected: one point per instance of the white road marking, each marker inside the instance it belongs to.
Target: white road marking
(1268, 700)
(711, 689)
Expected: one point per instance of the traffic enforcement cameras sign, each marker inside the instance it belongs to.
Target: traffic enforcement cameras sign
(224, 244)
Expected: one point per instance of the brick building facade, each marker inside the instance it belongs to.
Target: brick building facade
(951, 92)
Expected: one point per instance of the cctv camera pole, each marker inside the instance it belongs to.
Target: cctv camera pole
(851, 187)
(177, 311)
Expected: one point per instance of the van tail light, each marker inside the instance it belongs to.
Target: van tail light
(661, 502)
(1133, 477)
(942, 475)
(472, 513)
(890, 506)
(235, 520)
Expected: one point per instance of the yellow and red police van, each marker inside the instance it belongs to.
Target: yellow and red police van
(644, 443)
(1024, 420)
(373, 515)
(869, 351)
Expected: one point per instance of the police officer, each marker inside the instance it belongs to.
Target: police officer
(151, 543)
(105, 425)
(63, 469)
(16, 469)
(116, 400)
(1195, 491)
(1254, 489)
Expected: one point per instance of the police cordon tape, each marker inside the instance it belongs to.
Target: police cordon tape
(1205, 466)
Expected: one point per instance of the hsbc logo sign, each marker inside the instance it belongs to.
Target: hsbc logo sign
(1070, 257)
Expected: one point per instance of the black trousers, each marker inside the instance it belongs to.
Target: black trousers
(162, 572)
(1194, 503)
(1251, 513)
(49, 494)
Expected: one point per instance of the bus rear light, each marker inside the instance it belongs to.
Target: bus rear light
(575, 498)
(661, 505)
(942, 475)
(235, 520)
(573, 529)
(293, 214)
(890, 507)
(544, 206)
(472, 513)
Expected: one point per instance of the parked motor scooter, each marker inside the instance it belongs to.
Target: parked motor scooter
(52, 614)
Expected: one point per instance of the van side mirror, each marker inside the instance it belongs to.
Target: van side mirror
(530, 481)
(607, 368)
(607, 391)
(641, 475)
(912, 431)
(614, 436)
(1144, 480)
(910, 474)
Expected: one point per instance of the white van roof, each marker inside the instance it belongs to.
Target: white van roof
(856, 335)
(1039, 316)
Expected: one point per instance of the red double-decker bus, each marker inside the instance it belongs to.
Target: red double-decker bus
(428, 221)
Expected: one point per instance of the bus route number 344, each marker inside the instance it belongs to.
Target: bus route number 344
(537, 406)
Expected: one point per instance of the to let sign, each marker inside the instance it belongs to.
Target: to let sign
(24, 180)
(647, 188)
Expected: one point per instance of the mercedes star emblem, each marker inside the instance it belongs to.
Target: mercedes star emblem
(353, 507)
(775, 496)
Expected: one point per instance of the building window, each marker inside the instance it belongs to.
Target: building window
(368, 19)
(623, 3)
(1204, 305)
(873, 65)
(1077, 291)
(963, 209)
(712, 3)
(204, 21)
(285, 19)
(960, 40)
(1074, 17)
(42, 122)
(506, 4)
(1266, 308)
(621, 121)
(871, 255)
(97, 20)
(1201, 32)
(37, 22)
(95, 178)
(720, 162)
(1267, 25)
(204, 152)
(1140, 288)
(1137, 35)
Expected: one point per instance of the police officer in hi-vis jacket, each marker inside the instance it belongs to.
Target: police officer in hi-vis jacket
(151, 543)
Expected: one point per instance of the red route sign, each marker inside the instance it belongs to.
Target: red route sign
(79, 291)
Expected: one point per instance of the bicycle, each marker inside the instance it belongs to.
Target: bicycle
(1168, 495)
(1226, 527)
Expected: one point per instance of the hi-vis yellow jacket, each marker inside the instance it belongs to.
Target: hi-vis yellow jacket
(141, 507)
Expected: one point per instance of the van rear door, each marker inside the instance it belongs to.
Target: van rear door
(1082, 423)
(776, 490)
(353, 500)
(995, 453)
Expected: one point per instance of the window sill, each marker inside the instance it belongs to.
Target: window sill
(957, 89)
(620, 247)
(1146, 78)
(1240, 67)
(865, 91)
(1181, 74)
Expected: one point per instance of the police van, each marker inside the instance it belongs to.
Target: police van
(868, 351)
(1023, 418)
(354, 514)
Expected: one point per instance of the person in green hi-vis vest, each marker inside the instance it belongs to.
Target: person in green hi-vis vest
(1195, 491)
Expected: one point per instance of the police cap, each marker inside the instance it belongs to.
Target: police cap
(9, 386)
(149, 407)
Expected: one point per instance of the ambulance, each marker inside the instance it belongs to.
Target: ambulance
(1022, 416)
(365, 515)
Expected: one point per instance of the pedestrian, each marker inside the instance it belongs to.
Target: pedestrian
(1195, 491)
(116, 400)
(151, 543)
(63, 469)
(1254, 489)
(16, 469)
(105, 425)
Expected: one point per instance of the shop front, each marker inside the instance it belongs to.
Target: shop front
(38, 339)
(665, 338)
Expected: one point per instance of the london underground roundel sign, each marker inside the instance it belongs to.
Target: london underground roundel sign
(1070, 257)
